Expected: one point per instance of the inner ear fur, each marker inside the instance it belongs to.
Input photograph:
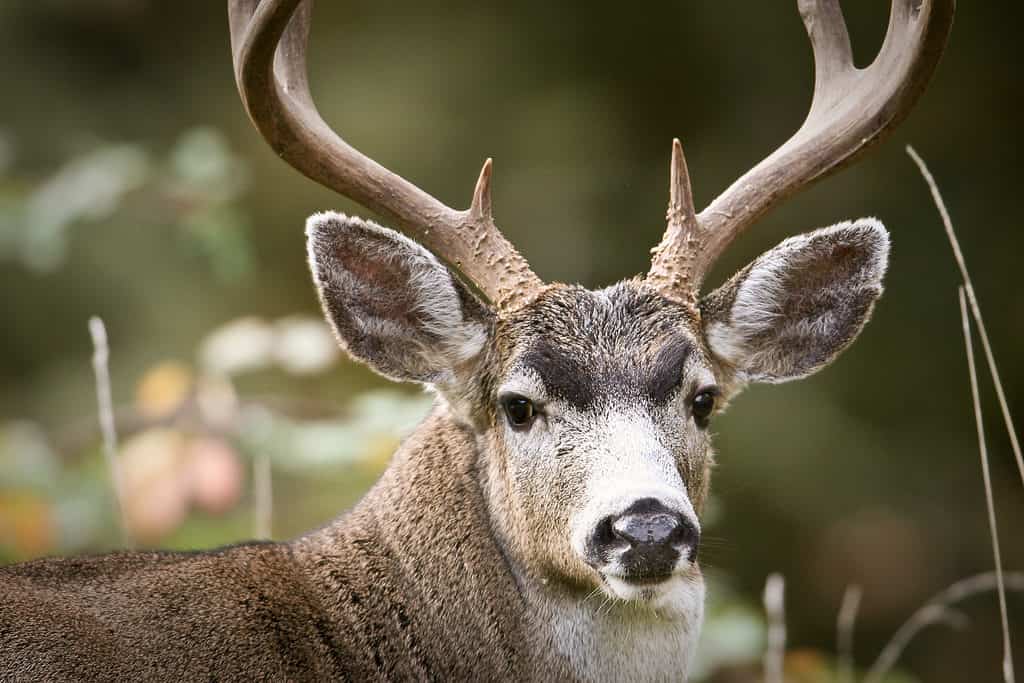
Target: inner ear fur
(392, 304)
(796, 307)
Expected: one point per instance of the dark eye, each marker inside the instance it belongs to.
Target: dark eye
(519, 409)
(703, 404)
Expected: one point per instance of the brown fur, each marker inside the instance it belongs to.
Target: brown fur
(370, 597)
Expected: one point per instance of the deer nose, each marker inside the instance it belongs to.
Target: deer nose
(649, 529)
(647, 539)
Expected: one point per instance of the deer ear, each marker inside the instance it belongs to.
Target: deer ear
(393, 305)
(797, 306)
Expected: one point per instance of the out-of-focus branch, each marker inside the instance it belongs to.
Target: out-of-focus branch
(844, 632)
(775, 612)
(101, 367)
(938, 610)
(263, 496)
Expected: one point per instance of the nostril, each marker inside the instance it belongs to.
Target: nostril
(686, 532)
(604, 543)
(604, 534)
(680, 533)
(688, 535)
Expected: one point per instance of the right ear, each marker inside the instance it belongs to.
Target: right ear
(799, 305)
(392, 304)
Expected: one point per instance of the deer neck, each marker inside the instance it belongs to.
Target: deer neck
(413, 574)
(432, 537)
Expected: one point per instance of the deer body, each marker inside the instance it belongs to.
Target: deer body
(361, 599)
(544, 522)
(369, 597)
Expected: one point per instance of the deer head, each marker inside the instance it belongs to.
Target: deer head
(591, 408)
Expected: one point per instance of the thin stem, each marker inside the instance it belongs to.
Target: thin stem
(989, 498)
(975, 309)
(775, 611)
(938, 610)
(101, 368)
(263, 497)
(844, 631)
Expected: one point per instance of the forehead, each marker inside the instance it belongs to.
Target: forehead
(588, 345)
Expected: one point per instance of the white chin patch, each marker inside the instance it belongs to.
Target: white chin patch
(676, 593)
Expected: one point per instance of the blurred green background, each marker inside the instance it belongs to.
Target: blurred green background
(133, 187)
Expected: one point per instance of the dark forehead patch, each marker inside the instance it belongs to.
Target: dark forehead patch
(621, 342)
(667, 369)
(562, 374)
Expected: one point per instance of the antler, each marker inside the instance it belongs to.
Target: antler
(852, 108)
(268, 44)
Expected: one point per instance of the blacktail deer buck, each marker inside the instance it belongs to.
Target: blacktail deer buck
(543, 522)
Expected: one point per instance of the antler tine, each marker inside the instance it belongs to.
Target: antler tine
(268, 42)
(830, 41)
(677, 249)
(851, 109)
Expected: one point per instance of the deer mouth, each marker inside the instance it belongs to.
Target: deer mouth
(663, 592)
(644, 579)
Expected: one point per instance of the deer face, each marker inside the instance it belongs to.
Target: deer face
(600, 412)
(592, 407)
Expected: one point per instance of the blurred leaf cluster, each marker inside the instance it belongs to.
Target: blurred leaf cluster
(189, 441)
(195, 187)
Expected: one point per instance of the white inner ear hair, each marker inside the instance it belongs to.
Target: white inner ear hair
(434, 298)
(440, 308)
(758, 305)
(393, 292)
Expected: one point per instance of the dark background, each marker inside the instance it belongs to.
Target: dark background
(866, 474)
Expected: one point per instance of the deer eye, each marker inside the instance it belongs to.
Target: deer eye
(519, 409)
(703, 405)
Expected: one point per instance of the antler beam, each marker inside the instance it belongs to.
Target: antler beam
(268, 44)
(851, 110)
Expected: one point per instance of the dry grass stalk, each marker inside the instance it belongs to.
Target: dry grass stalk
(989, 502)
(844, 632)
(263, 497)
(775, 610)
(936, 611)
(101, 368)
(975, 309)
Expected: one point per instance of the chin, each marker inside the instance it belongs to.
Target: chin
(679, 594)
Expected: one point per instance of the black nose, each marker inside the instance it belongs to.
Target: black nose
(646, 539)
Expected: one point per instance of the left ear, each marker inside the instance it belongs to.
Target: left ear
(393, 305)
(797, 306)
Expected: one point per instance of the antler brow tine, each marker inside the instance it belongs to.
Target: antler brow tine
(851, 109)
(682, 232)
(268, 43)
